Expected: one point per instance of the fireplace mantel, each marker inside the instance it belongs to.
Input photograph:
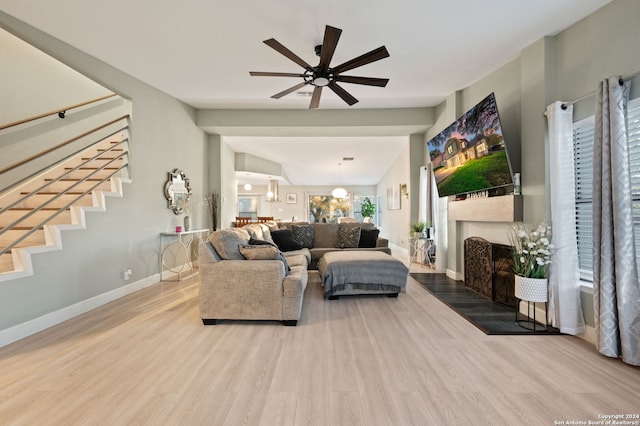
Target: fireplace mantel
(503, 208)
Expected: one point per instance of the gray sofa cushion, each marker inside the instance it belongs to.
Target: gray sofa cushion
(302, 253)
(259, 231)
(227, 242)
(325, 235)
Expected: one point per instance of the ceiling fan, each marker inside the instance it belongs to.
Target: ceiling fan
(323, 74)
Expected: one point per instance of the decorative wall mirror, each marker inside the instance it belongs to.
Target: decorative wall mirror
(177, 190)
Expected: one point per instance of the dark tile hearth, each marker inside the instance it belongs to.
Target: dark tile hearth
(490, 317)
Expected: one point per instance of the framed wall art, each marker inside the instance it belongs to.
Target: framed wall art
(393, 197)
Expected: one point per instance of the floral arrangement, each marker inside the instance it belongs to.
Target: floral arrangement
(531, 250)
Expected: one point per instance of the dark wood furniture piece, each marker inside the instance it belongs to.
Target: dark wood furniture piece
(242, 221)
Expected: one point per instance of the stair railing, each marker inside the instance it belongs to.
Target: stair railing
(61, 145)
(69, 204)
(59, 178)
(60, 112)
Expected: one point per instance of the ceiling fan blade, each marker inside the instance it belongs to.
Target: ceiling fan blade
(342, 93)
(331, 37)
(315, 98)
(289, 90)
(375, 55)
(368, 81)
(276, 45)
(274, 74)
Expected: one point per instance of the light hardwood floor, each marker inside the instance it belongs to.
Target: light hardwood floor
(147, 359)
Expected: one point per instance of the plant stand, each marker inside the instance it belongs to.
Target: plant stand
(531, 290)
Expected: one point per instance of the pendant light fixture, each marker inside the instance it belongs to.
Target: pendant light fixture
(339, 192)
(272, 191)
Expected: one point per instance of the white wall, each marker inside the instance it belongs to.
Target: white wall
(565, 67)
(395, 223)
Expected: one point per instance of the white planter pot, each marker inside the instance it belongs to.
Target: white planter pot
(531, 289)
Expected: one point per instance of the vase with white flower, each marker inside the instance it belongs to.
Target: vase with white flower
(531, 251)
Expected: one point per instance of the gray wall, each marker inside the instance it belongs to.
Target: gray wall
(565, 67)
(163, 137)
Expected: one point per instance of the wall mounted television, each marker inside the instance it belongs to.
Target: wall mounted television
(470, 155)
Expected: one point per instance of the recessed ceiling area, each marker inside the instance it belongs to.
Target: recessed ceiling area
(314, 160)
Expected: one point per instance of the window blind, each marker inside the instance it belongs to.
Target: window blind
(583, 168)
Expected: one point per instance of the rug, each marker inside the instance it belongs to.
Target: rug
(488, 316)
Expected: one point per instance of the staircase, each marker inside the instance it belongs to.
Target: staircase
(35, 209)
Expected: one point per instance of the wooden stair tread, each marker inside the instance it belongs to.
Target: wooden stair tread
(93, 168)
(74, 180)
(55, 193)
(100, 158)
(33, 208)
(22, 228)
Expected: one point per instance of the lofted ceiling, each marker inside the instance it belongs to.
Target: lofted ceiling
(201, 52)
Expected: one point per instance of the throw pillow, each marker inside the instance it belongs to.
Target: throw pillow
(348, 237)
(226, 242)
(303, 234)
(368, 238)
(263, 252)
(255, 242)
(284, 240)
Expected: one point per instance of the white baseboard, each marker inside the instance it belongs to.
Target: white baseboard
(589, 335)
(458, 276)
(20, 331)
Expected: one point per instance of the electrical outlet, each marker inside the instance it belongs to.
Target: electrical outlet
(127, 274)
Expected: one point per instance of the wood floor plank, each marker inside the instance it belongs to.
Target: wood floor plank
(147, 359)
(345, 409)
(279, 409)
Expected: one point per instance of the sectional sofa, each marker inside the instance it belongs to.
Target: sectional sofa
(245, 276)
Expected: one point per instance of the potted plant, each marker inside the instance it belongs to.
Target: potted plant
(367, 209)
(418, 229)
(531, 252)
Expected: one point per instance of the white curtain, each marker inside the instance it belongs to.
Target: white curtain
(616, 290)
(564, 279)
(424, 212)
(428, 207)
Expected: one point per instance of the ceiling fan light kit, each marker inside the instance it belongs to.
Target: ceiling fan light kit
(323, 75)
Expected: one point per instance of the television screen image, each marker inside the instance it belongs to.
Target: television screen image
(470, 155)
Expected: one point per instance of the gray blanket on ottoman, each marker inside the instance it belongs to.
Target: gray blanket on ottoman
(360, 272)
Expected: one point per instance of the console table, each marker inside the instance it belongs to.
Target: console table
(185, 254)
